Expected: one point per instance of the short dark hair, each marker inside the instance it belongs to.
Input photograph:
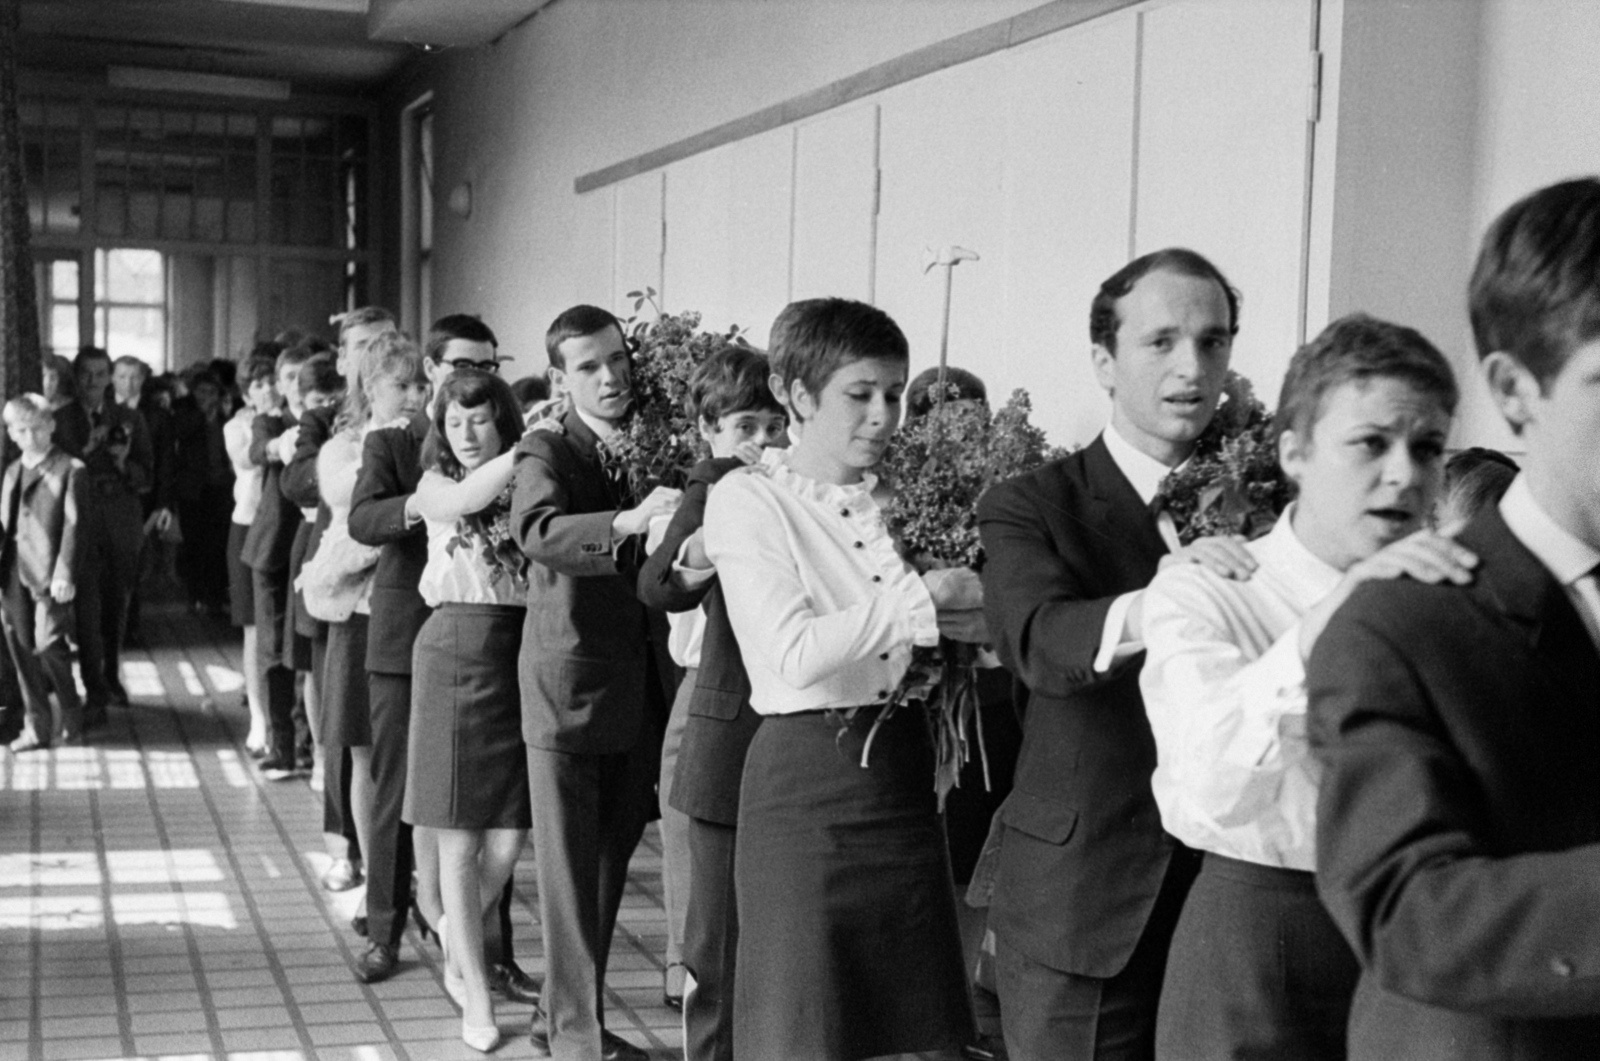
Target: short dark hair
(732, 380)
(456, 326)
(960, 385)
(260, 365)
(320, 375)
(822, 335)
(1476, 478)
(1354, 349)
(470, 389)
(1533, 293)
(575, 323)
(530, 391)
(1103, 319)
(298, 354)
(90, 353)
(227, 371)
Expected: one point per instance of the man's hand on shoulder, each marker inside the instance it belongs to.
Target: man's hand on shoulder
(1426, 556)
(661, 501)
(1224, 555)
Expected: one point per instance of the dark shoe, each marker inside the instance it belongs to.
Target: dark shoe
(985, 1048)
(276, 769)
(94, 716)
(612, 1047)
(342, 875)
(304, 764)
(507, 980)
(672, 981)
(378, 963)
(358, 924)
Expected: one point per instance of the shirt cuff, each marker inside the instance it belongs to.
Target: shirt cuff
(1116, 641)
(690, 577)
(922, 618)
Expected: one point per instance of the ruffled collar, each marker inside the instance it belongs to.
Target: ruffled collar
(775, 465)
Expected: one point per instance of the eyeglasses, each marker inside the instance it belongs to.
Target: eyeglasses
(462, 364)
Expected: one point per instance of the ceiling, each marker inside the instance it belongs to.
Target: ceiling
(326, 46)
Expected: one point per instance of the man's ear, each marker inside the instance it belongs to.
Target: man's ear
(1105, 368)
(558, 381)
(1291, 454)
(1513, 387)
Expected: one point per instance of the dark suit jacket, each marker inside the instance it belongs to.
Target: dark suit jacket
(44, 542)
(584, 666)
(1458, 824)
(115, 511)
(391, 467)
(266, 546)
(1083, 854)
(721, 724)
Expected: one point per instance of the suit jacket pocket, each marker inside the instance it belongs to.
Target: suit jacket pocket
(1041, 818)
(721, 704)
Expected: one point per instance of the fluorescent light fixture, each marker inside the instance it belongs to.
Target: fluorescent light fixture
(188, 81)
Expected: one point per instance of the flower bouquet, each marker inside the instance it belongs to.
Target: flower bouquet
(1232, 484)
(659, 442)
(939, 466)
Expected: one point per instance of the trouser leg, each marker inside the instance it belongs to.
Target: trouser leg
(389, 853)
(710, 941)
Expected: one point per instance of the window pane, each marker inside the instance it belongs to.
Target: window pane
(135, 276)
(64, 328)
(64, 279)
(140, 332)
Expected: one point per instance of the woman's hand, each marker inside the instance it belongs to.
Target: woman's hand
(1224, 555)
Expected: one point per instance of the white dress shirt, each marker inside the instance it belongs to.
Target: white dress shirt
(247, 478)
(825, 609)
(1571, 561)
(1224, 687)
(462, 575)
(1117, 642)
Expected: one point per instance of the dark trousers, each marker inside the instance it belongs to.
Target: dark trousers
(203, 555)
(1256, 970)
(336, 817)
(710, 941)
(389, 854)
(36, 630)
(288, 725)
(1050, 1015)
(108, 564)
(588, 814)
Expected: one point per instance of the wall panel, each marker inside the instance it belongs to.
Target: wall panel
(760, 212)
(834, 195)
(638, 239)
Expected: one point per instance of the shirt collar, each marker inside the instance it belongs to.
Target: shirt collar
(1140, 469)
(602, 430)
(1567, 557)
(1309, 576)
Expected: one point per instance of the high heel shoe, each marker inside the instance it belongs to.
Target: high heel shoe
(481, 1037)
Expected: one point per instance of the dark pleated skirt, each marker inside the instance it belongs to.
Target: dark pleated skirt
(466, 767)
(241, 583)
(346, 709)
(848, 947)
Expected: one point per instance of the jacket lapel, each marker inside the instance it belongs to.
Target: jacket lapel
(1116, 505)
(586, 447)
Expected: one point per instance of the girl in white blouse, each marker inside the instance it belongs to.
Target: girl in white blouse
(466, 776)
(260, 376)
(848, 945)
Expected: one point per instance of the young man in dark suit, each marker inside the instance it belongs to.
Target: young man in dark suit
(1089, 885)
(592, 700)
(1458, 839)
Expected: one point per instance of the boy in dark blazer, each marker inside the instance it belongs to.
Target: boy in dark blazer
(592, 701)
(1089, 885)
(738, 416)
(1458, 838)
(41, 497)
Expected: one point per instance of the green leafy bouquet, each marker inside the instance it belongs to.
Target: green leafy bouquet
(1232, 484)
(939, 465)
(659, 443)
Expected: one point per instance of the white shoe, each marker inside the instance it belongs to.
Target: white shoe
(481, 1037)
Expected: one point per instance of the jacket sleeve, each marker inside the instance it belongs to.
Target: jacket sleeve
(657, 587)
(1046, 621)
(547, 532)
(76, 499)
(263, 429)
(298, 482)
(378, 505)
(1404, 861)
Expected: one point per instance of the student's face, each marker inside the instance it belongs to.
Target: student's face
(320, 399)
(760, 426)
(392, 398)
(125, 383)
(208, 398)
(848, 425)
(1560, 425)
(472, 434)
(459, 354)
(355, 340)
(1166, 375)
(598, 375)
(263, 395)
(51, 383)
(31, 434)
(289, 386)
(94, 376)
(1370, 470)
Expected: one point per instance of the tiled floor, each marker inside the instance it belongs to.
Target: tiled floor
(159, 900)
